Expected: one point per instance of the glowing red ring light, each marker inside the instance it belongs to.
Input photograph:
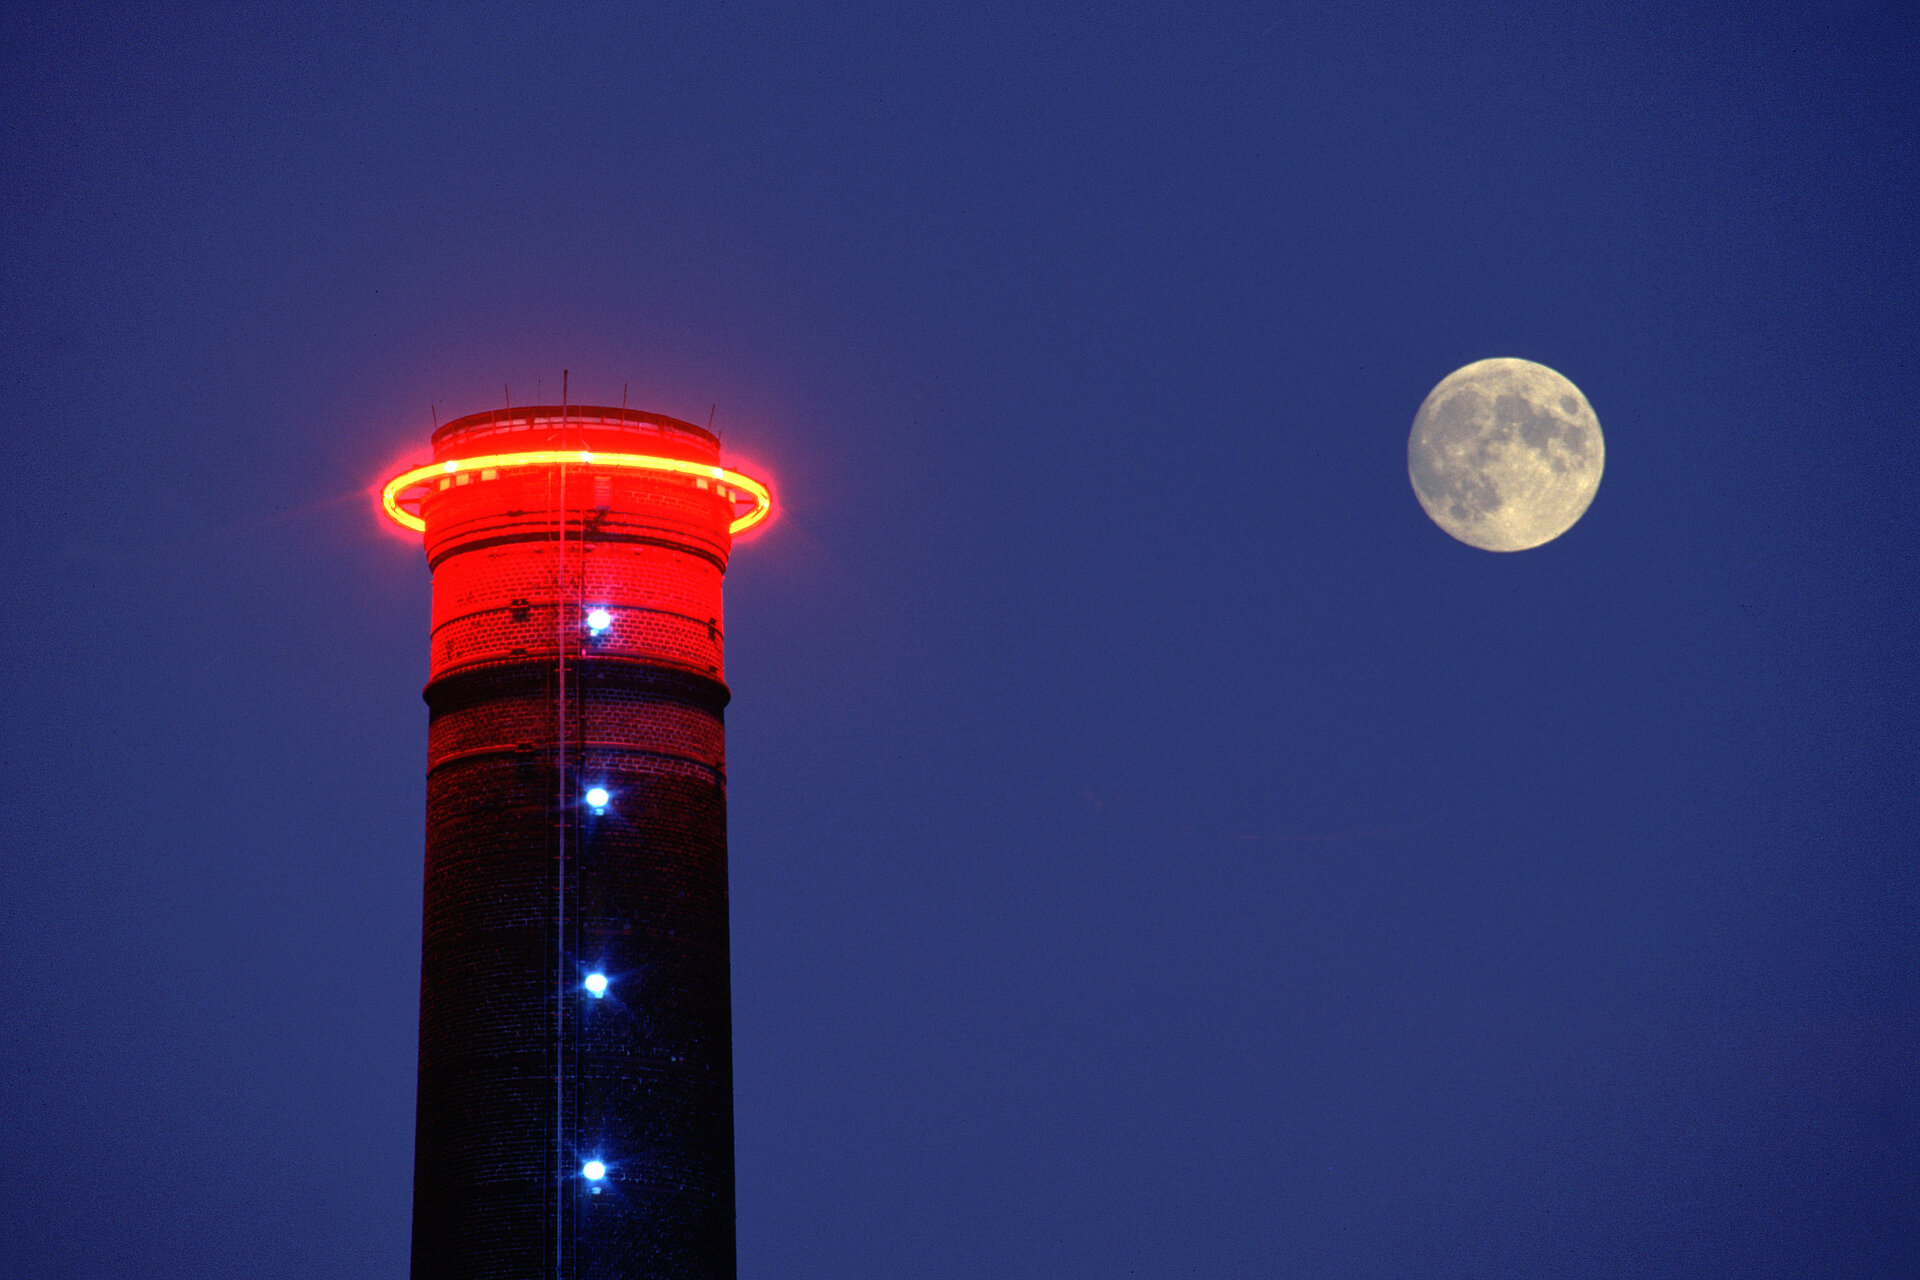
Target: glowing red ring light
(741, 486)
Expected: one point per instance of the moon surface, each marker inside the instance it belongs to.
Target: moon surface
(1505, 454)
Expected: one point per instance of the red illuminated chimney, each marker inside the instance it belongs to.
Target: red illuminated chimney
(576, 1082)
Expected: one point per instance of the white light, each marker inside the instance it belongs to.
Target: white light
(596, 984)
(599, 620)
(598, 797)
(593, 1171)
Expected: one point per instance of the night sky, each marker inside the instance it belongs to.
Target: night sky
(1157, 849)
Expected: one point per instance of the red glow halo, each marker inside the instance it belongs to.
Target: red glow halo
(410, 486)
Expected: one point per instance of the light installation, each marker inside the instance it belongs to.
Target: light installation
(412, 487)
(577, 556)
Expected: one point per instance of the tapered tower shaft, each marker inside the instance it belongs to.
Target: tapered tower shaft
(575, 1088)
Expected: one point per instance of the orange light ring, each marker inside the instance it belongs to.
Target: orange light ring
(742, 486)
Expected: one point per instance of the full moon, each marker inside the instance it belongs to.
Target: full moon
(1505, 454)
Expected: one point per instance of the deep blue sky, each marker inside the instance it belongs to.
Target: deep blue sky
(1157, 850)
